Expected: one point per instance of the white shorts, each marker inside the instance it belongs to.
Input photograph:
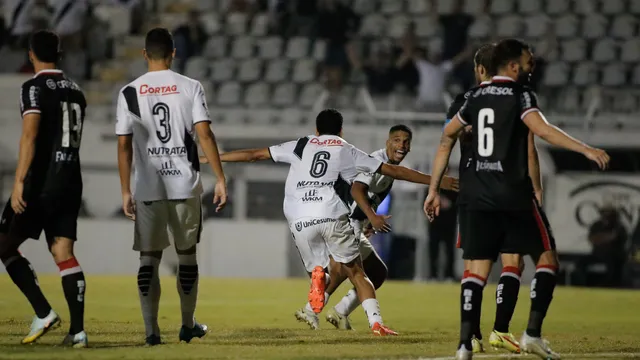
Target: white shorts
(155, 219)
(319, 238)
(366, 248)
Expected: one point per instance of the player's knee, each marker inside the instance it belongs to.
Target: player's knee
(61, 249)
(511, 260)
(548, 258)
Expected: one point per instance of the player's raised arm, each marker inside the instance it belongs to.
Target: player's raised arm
(248, 155)
(534, 168)
(30, 127)
(124, 130)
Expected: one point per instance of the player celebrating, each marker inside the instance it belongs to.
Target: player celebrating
(323, 166)
(159, 115)
(498, 188)
(47, 191)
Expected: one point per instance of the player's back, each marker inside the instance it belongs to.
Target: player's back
(55, 169)
(498, 178)
(163, 107)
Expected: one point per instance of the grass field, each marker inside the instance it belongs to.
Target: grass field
(251, 319)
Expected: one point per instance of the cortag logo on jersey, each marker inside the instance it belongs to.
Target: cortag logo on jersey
(313, 184)
(327, 142)
(167, 151)
(313, 222)
(311, 196)
(168, 168)
(494, 90)
(489, 166)
(158, 90)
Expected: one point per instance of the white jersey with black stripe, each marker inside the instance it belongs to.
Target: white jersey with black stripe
(160, 109)
(379, 186)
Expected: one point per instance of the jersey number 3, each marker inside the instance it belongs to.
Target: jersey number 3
(485, 133)
(319, 164)
(161, 112)
(71, 125)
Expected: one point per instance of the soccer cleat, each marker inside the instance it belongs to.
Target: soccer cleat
(40, 327)
(198, 331)
(464, 354)
(77, 341)
(381, 330)
(476, 345)
(308, 317)
(339, 321)
(505, 341)
(316, 293)
(153, 340)
(537, 346)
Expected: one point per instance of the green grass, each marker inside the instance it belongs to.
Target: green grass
(253, 319)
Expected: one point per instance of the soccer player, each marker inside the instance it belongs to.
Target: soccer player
(501, 212)
(323, 167)
(159, 115)
(47, 190)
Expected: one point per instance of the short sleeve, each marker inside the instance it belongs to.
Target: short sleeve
(365, 178)
(528, 102)
(200, 109)
(124, 122)
(464, 114)
(29, 98)
(364, 162)
(284, 153)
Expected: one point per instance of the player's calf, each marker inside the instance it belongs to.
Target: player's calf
(187, 283)
(506, 299)
(471, 301)
(73, 281)
(542, 287)
(149, 293)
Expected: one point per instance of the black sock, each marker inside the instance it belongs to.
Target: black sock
(470, 303)
(23, 275)
(542, 288)
(74, 286)
(506, 298)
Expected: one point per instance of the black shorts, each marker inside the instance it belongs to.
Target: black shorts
(57, 217)
(462, 220)
(485, 234)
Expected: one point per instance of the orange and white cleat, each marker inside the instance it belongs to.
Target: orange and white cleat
(318, 286)
(381, 330)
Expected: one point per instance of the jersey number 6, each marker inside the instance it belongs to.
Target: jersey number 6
(485, 134)
(319, 164)
(161, 111)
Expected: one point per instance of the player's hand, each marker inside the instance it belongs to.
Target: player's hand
(598, 156)
(128, 206)
(17, 202)
(368, 231)
(432, 205)
(538, 195)
(203, 160)
(379, 223)
(450, 183)
(220, 195)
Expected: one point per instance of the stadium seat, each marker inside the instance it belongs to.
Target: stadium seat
(566, 26)
(277, 70)
(594, 26)
(236, 24)
(473, 7)
(530, 6)
(625, 101)
(509, 26)
(397, 25)
(257, 95)
(481, 27)
(634, 7)
(556, 74)
(604, 50)
(297, 47)
(270, 48)
(444, 7)
(223, 70)
(211, 23)
(636, 75)
(364, 6)
(250, 70)
(585, 73)
(417, 6)
(536, 25)
(204, 5)
(284, 94)
(233, 116)
(260, 25)
(310, 94)
(197, 67)
(291, 117)
(216, 47)
(373, 25)
(304, 71)
(612, 7)
(391, 7)
(568, 100)
(426, 26)
(502, 7)
(319, 49)
(208, 88)
(348, 98)
(242, 47)
(584, 7)
(557, 7)
(574, 50)
(613, 74)
(630, 51)
(229, 94)
(136, 68)
(624, 26)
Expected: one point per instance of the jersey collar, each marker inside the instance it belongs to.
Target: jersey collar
(485, 82)
(499, 78)
(47, 72)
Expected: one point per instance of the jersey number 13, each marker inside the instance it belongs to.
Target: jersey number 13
(485, 133)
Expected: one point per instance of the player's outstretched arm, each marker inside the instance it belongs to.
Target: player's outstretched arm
(538, 124)
(125, 159)
(30, 127)
(248, 155)
(359, 193)
(534, 168)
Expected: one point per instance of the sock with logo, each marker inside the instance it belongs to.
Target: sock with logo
(149, 292)
(23, 275)
(542, 286)
(74, 286)
(188, 287)
(470, 308)
(348, 303)
(506, 298)
(477, 333)
(372, 310)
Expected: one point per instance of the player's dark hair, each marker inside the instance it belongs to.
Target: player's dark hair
(159, 44)
(403, 128)
(484, 57)
(329, 122)
(45, 46)
(506, 51)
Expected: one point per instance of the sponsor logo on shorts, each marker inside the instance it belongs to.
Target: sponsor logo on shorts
(168, 168)
(313, 222)
(489, 166)
(167, 151)
(311, 196)
(158, 90)
(313, 184)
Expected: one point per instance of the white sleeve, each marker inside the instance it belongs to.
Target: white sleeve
(364, 162)
(200, 111)
(284, 152)
(365, 178)
(124, 122)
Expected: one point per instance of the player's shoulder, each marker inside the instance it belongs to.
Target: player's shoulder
(32, 82)
(380, 154)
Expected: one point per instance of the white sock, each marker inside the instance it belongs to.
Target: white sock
(149, 293)
(187, 282)
(372, 310)
(326, 300)
(348, 303)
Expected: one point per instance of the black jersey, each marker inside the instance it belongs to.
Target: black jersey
(498, 178)
(465, 137)
(55, 169)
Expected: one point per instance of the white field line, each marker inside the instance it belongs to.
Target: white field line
(564, 356)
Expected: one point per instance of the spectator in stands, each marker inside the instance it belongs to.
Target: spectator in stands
(137, 13)
(407, 71)
(608, 238)
(68, 21)
(337, 24)
(190, 39)
(455, 29)
(22, 17)
(294, 17)
(380, 72)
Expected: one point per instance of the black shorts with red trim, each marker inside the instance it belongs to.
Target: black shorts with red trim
(487, 233)
(462, 218)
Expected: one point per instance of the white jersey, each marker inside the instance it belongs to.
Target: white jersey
(322, 170)
(160, 109)
(379, 186)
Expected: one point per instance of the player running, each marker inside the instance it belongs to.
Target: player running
(47, 191)
(323, 167)
(501, 212)
(159, 116)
